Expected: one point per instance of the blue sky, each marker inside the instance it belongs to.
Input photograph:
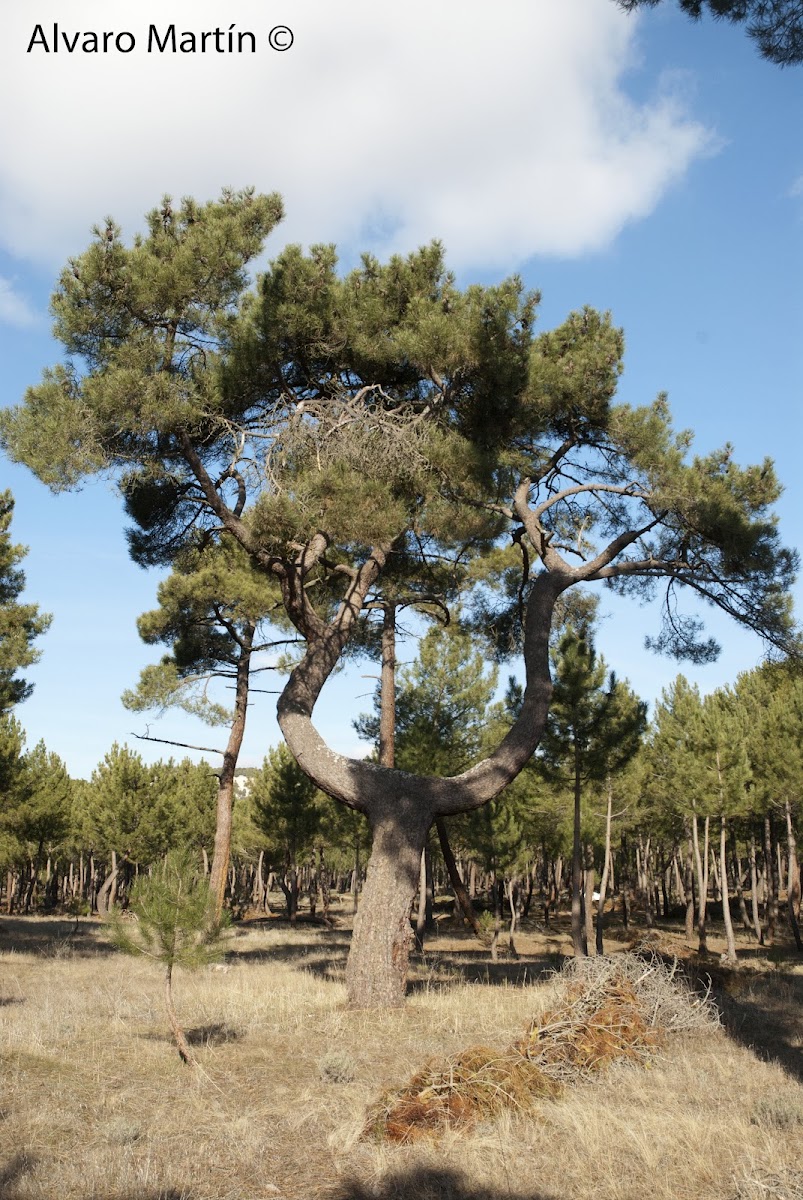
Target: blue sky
(647, 165)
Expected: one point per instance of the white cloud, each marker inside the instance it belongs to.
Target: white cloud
(14, 309)
(506, 130)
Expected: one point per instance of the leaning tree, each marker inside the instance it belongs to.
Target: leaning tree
(335, 425)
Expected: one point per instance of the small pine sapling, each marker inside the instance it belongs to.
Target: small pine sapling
(175, 925)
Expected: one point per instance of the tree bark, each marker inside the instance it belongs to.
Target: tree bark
(179, 1037)
(579, 944)
(401, 807)
(603, 883)
(792, 878)
(589, 875)
(225, 792)
(376, 971)
(702, 883)
(730, 958)
(458, 887)
(771, 883)
(758, 927)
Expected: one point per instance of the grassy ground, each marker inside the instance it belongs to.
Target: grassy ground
(95, 1104)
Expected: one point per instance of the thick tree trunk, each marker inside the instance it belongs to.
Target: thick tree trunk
(225, 792)
(376, 972)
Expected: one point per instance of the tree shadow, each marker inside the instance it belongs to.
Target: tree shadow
(476, 966)
(759, 1010)
(323, 954)
(54, 937)
(216, 1033)
(764, 1014)
(14, 1170)
(428, 1183)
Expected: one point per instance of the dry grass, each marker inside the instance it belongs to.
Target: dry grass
(95, 1104)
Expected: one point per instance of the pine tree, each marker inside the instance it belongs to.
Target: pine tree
(329, 423)
(211, 611)
(20, 624)
(594, 728)
(175, 926)
(285, 806)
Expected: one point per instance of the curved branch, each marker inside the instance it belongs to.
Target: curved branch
(370, 788)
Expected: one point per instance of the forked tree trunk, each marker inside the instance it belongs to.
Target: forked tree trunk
(400, 807)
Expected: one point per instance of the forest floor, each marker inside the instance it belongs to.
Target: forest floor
(96, 1105)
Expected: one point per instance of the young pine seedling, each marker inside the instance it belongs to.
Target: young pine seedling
(175, 925)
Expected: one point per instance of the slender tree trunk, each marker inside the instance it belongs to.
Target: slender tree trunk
(424, 884)
(770, 883)
(225, 792)
(624, 876)
(513, 899)
(702, 882)
(715, 875)
(182, 1044)
(757, 926)
(496, 895)
(680, 890)
(458, 887)
(792, 878)
(589, 875)
(688, 883)
(578, 924)
(603, 883)
(739, 876)
(730, 958)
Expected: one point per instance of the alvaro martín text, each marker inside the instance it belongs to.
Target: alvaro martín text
(168, 40)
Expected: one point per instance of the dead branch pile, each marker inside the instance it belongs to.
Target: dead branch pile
(663, 994)
(612, 1009)
(476, 1083)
